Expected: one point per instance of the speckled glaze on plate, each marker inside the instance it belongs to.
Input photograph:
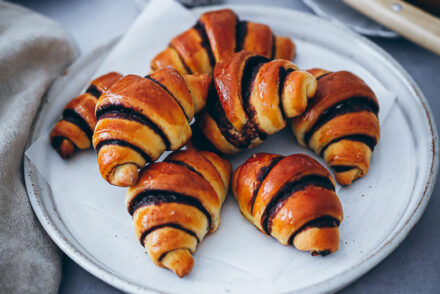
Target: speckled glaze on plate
(405, 185)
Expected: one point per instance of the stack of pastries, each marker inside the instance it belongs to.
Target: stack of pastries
(236, 79)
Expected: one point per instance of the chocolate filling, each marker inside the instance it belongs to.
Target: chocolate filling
(73, 117)
(323, 75)
(286, 191)
(352, 105)
(124, 144)
(185, 165)
(342, 168)
(200, 28)
(214, 108)
(118, 111)
(240, 34)
(156, 197)
(167, 225)
(261, 175)
(250, 71)
(367, 140)
(282, 74)
(216, 111)
(200, 141)
(93, 90)
(322, 222)
(169, 93)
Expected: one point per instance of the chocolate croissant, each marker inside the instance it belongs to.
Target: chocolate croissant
(217, 35)
(341, 124)
(139, 118)
(176, 203)
(252, 98)
(75, 129)
(292, 199)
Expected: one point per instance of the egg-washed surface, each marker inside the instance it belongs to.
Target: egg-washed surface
(139, 118)
(251, 98)
(75, 129)
(341, 124)
(216, 36)
(176, 203)
(291, 198)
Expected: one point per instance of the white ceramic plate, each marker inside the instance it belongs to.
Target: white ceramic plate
(338, 11)
(397, 188)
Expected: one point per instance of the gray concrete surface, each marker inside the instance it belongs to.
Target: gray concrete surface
(414, 267)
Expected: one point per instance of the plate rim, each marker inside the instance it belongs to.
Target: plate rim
(343, 279)
(381, 33)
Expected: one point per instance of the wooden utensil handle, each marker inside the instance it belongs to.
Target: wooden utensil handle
(406, 19)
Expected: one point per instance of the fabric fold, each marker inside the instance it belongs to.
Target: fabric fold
(33, 52)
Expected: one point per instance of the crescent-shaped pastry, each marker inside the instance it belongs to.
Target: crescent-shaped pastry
(341, 124)
(75, 129)
(139, 118)
(252, 98)
(216, 36)
(176, 203)
(292, 199)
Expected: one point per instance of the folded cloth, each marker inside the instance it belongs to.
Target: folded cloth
(33, 52)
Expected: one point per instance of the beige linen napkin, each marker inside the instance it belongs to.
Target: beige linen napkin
(33, 52)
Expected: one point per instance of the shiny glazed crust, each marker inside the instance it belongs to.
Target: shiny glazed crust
(252, 99)
(216, 36)
(292, 199)
(75, 129)
(176, 203)
(341, 124)
(139, 118)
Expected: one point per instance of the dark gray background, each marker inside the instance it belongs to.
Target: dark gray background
(414, 267)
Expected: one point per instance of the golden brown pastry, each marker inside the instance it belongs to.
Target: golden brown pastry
(75, 129)
(139, 118)
(252, 99)
(341, 124)
(217, 35)
(292, 199)
(176, 203)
